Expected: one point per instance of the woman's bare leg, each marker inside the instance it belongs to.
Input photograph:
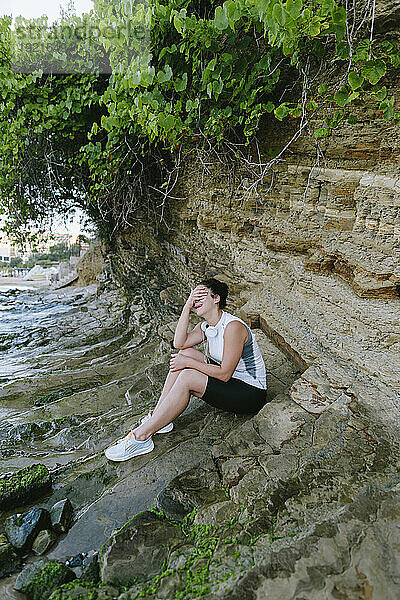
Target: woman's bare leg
(189, 381)
(172, 375)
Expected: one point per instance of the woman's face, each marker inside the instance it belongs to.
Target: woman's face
(206, 304)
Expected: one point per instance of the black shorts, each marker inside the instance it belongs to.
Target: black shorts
(234, 395)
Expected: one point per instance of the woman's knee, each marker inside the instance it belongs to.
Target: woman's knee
(191, 378)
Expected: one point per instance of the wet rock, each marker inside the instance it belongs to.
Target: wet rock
(138, 550)
(41, 578)
(195, 488)
(171, 585)
(217, 513)
(82, 590)
(61, 516)
(22, 529)
(133, 592)
(90, 568)
(9, 560)
(43, 541)
(75, 561)
(24, 486)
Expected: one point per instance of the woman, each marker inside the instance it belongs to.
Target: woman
(231, 377)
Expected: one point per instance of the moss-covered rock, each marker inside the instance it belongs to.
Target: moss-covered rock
(24, 485)
(22, 530)
(139, 549)
(84, 590)
(41, 578)
(9, 560)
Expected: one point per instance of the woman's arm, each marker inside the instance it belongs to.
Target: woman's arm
(234, 338)
(181, 338)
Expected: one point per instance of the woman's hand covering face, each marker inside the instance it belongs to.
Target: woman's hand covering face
(197, 295)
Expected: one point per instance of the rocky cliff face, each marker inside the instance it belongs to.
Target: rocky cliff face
(312, 262)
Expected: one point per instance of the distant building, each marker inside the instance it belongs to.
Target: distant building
(8, 249)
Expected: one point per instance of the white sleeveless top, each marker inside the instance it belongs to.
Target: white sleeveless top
(251, 367)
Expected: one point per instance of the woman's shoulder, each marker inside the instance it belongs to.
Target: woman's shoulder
(230, 318)
(238, 323)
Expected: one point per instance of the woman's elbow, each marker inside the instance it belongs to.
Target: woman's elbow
(225, 376)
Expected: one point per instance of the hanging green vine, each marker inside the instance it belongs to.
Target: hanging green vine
(114, 144)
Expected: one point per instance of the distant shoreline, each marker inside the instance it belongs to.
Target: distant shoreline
(20, 283)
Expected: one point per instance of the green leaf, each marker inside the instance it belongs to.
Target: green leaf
(342, 96)
(322, 89)
(326, 7)
(232, 12)
(339, 15)
(217, 87)
(163, 76)
(343, 50)
(352, 119)
(339, 31)
(362, 51)
(395, 59)
(296, 112)
(355, 80)
(311, 105)
(374, 70)
(178, 24)
(353, 96)
(314, 27)
(380, 94)
(169, 122)
(321, 132)
(282, 111)
(278, 14)
(333, 121)
(180, 84)
(293, 7)
(269, 107)
(387, 107)
(220, 20)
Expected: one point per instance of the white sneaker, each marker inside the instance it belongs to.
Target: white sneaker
(128, 447)
(166, 429)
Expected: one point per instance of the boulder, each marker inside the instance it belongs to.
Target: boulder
(21, 530)
(41, 578)
(195, 488)
(43, 541)
(61, 516)
(9, 560)
(83, 590)
(24, 486)
(90, 568)
(138, 550)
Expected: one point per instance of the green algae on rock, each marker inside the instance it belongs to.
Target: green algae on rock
(24, 485)
(84, 590)
(139, 549)
(40, 579)
(9, 560)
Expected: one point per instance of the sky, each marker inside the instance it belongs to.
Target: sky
(29, 9)
(71, 225)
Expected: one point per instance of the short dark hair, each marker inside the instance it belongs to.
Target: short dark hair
(217, 287)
